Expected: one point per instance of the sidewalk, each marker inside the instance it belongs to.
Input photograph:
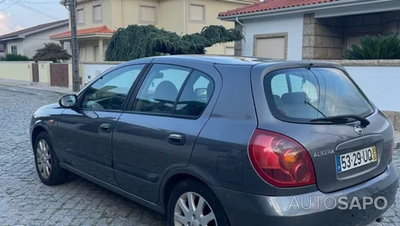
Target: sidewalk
(58, 90)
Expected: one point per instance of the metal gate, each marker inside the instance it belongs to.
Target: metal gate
(59, 75)
(35, 72)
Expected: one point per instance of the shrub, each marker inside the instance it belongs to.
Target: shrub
(376, 47)
(16, 57)
(51, 52)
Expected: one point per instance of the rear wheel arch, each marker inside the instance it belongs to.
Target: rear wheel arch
(176, 176)
(197, 191)
(171, 183)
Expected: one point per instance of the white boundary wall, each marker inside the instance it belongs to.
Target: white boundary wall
(381, 84)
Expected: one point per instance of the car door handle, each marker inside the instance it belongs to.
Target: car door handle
(177, 139)
(105, 128)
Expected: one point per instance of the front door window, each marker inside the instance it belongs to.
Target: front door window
(110, 91)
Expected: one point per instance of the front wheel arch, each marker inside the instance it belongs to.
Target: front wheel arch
(35, 132)
(57, 175)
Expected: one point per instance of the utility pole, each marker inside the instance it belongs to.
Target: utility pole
(74, 44)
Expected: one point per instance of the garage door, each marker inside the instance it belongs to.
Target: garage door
(270, 47)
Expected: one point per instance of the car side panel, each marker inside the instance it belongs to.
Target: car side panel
(142, 155)
(84, 146)
(142, 152)
(221, 148)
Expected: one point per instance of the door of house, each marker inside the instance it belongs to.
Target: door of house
(35, 72)
(59, 75)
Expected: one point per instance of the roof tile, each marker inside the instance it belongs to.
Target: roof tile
(271, 5)
(88, 31)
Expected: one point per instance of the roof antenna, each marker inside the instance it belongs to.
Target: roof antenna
(309, 66)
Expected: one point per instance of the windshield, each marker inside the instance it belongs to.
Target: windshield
(301, 95)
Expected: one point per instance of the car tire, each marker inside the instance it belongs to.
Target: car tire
(46, 161)
(196, 190)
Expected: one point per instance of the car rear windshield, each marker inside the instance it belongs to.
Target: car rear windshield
(301, 95)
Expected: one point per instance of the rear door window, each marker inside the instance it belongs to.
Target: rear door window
(160, 89)
(301, 95)
(171, 90)
(195, 95)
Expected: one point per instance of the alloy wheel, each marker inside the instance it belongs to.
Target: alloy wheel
(191, 209)
(43, 158)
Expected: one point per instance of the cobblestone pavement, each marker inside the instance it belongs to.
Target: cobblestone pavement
(24, 200)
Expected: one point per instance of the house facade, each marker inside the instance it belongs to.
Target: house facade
(27, 41)
(310, 29)
(98, 19)
(2, 50)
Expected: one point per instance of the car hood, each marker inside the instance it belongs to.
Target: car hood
(50, 106)
(48, 110)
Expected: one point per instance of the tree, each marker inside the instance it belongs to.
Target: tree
(137, 41)
(376, 47)
(51, 52)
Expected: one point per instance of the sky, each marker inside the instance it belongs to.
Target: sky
(19, 14)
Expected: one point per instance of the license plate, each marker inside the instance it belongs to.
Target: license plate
(355, 159)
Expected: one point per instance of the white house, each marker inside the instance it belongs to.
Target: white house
(1, 50)
(310, 29)
(27, 41)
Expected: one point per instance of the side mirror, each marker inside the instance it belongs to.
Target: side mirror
(201, 92)
(68, 101)
(159, 75)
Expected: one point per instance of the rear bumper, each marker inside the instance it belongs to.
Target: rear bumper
(256, 210)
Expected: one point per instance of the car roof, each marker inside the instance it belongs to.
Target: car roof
(212, 59)
(217, 59)
(231, 60)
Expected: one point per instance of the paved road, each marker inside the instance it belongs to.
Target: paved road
(24, 200)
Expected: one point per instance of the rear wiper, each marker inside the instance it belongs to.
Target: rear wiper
(343, 119)
(319, 111)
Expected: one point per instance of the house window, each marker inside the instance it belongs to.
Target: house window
(229, 50)
(82, 54)
(96, 54)
(14, 50)
(270, 46)
(197, 13)
(97, 13)
(148, 14)
(80, 16)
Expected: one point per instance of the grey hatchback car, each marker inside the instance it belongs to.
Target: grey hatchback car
(210, 140)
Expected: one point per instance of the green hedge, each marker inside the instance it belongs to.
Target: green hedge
(15, 57)
(375, 47)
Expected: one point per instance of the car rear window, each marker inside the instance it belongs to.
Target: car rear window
(301, 95)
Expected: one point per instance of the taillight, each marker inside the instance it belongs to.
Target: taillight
(280, 160)
(391, 148)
